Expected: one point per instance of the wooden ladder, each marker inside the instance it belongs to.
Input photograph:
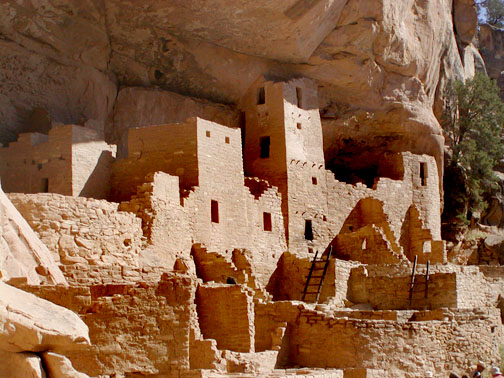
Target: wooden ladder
(318, 280)
(412, 282)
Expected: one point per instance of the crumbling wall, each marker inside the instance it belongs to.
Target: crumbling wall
(226, 314)
(83, 232)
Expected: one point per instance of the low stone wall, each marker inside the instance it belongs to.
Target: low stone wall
(318, 340)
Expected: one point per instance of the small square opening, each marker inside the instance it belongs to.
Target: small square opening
(264, 143)
(299, 96)
(314, 180)
(208, 134)
(261, 96)
(267, 222)
(308, 232)
(423, 173)
(226, 139)
(215, 211)
(298, 125)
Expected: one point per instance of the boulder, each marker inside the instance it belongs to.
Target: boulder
(58, 366)
(29, 323)
(25, 365)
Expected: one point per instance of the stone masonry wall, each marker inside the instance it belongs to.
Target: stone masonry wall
(91, 164)
(39, 159)
(392, 292)
(387, 287)
(71, 160)
(82, 232)
(318, 340)
(226, 314)
(166, 148)
(134, 329)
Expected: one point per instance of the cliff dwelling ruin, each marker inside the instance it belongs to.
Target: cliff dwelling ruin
(274, 222)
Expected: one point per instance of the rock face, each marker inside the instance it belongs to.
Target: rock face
(137, 107)
(382, 64)
(491, 43)
(22, 254)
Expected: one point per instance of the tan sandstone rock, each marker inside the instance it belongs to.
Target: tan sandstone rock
(28, 323)
(58, 366)
(25, 365)
(22, 254)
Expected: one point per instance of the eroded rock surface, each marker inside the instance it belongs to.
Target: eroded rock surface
(28, 323)
(386, 59)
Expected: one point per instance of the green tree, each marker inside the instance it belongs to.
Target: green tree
(473, 134)
(491, 12)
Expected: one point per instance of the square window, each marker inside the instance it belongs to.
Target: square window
(226, 140)
(214, 208)
(299, 125)
(208, 134)
(314, 180)
(267, 222)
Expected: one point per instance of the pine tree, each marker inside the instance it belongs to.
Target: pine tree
(492, 12)
(473, 135)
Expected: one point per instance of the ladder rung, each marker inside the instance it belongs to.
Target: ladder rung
(313, 284)
(318, 268)
(315, 276)
(311, 292)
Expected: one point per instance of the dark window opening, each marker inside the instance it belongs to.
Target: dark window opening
(267, 222)
(45, 185)
(208, 134)
(215, 211)
(226, 139)
(265, 147)
(308, 231)
(261, 96)
(299, 125)
(299, 95)
(423, 173)
(314, 180)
